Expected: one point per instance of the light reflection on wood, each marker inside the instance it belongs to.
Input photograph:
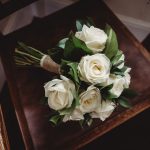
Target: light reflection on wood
(4, 143)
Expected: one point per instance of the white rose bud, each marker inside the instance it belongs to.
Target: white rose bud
(90, 100)
(60, 93)
(104, 111)
(75, 115)
(94, 69)
(94, 38)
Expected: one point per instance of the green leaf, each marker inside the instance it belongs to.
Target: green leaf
(56, 54)
(79, 25)
(74, 47)
(111, 43)
(129, 93)
(67, 111)
(74, 71)
(108, 95)
(118, 63)
(124, 68)
(77, 99)
(118, 73)
(87, 121)
(88, 22)
(124, 102)
(55, 119)
(62, 42)
(116, 57)
(108, 87)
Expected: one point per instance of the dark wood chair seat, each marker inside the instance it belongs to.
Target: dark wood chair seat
(26, 85)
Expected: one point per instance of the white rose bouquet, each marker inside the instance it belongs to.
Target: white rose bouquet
(93, 78)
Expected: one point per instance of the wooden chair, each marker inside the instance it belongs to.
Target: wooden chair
(26, 85)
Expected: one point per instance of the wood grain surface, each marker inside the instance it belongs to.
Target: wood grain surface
(26, 85)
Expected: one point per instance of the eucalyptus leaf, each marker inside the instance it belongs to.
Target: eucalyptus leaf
(111, 43)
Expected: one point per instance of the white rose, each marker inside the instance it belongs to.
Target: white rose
(119, 83)
(75, 115)
(60, 93)
(94, 38)
(104, 111)
(90, 99)
(94, 69)
(127, 79)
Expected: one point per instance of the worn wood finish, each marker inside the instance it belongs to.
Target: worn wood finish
(26, 85)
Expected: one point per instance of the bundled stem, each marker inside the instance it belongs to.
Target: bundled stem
(28, 56)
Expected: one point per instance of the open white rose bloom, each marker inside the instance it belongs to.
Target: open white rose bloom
(94, 38)
(92, 77)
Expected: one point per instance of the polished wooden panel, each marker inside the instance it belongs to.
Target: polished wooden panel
(26, 85)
